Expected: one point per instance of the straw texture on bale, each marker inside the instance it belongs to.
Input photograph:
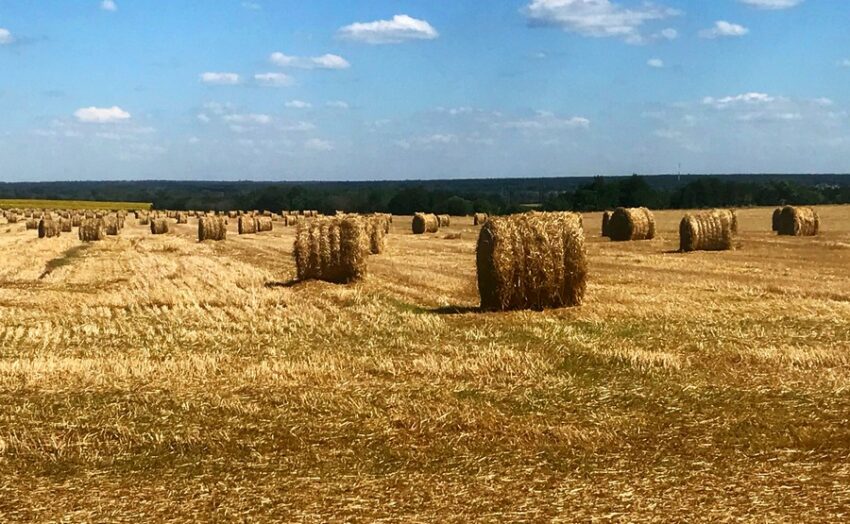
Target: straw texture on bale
(159, 226)
(48, 228)
(479, 219)
(246, 225)
(707, 231)
(92, 230)
(32, 223)
(111, 225)
(76, 220)
(12, 218)
(798, 222)
(263, 223)
(730, 216)
(531, 261)
(631, 224)
(333, 249)
(444, 220)
(211, 228)
(66, 225)
(606, 219)
(182, 218)
(376, 233)
(425, 223)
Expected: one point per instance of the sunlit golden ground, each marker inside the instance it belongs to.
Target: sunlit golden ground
(158, 379)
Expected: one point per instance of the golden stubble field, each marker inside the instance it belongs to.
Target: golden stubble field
(157, 379)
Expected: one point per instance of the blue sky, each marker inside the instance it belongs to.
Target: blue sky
(328, 90)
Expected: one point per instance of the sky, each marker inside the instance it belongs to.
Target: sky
(418, 89)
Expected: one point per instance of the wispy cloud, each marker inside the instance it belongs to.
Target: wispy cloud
(327, 61)
(317, 144)
(722, 29)
(772, 4)
(6, 37)
(109, 5)
(220, 78)
(298, 104)
(655, 62)
(274, 79)
(101, 115)
(402, 28)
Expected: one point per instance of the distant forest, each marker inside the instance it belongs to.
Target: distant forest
(459, 197)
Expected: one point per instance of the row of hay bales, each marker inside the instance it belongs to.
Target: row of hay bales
(335, 249)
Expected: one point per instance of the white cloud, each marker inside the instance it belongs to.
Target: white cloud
(401, 28)
(6, 36)
(109, 5)
(299, 126)
(253, 6)
(596, 18)
(316, 144)
(668, 34)
(298, 104)
(655, 62)
(327, 61)
(250, 118)
(723, 28)
(101, 115)
(544, 120)
(274, 79)
(220, 78)
(746, 98)
(337, 104)
(772, 4)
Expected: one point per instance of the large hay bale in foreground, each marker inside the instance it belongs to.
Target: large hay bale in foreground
(48, 228)
(730, 216)
(531, 261)
(706, 231)
(444, 220)
(211, 228)
(606, 220)
(425, 223)
(798, 222)
(479, 219)
(263, 224)
(246, 225)
(333, 249)
(636, 223)
(92, 230)
(159, 226)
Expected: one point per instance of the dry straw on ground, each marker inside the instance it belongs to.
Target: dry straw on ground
(479, 219)
(92, 230)
(246, 225)
(531, 261)
(425, 223)
(798, 222)
(631, 224)
(706, 231)
(159, 226)
(211, 228)
(48, 228)
(333, 249)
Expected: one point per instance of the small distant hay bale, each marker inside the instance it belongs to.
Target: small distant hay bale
(12, 218)
(333, 249)
(246, 225)
(182, 218)
(263, 224)
(444, 220)
(76, 220)
(144, 219)
(531, 261)
(706, 231)
(775, 223)
(32, 223)
(112, 225)
(798, 222)
(66, 225)
(159, 226)
(92, 230)
(627, 224)
(425, 223)
(606, 219)
(376, 233)
(48, 228)
(478, 219)
(211, 228)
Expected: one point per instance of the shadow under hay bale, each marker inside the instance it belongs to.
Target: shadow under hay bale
(798, 222)
(92, 230)
(627, 224)
(333, 249)
(159, 226)
(211, 228)
(531, 261)
(48, 228)
(706, 231)
(425, 223)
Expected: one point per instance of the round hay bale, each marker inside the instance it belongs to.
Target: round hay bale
(112, 225)
(444, 220)
(707, 231)
(627, 224)
(376, 233)
(159, 226)
(263, 224)
(12, 218)
(76, 220)
(478, 219)
(182, 218)
(333, 249)
(798, 222)
(730, 216)
(606, 219)
(48, 228)
(144, 220)
(775, 223)
(425, 223)
(32, 223)
(92, 230)
(246, 225)
(66, 225)
(531, 261)
(211, 228)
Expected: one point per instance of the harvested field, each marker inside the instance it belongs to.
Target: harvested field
(180, 380)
